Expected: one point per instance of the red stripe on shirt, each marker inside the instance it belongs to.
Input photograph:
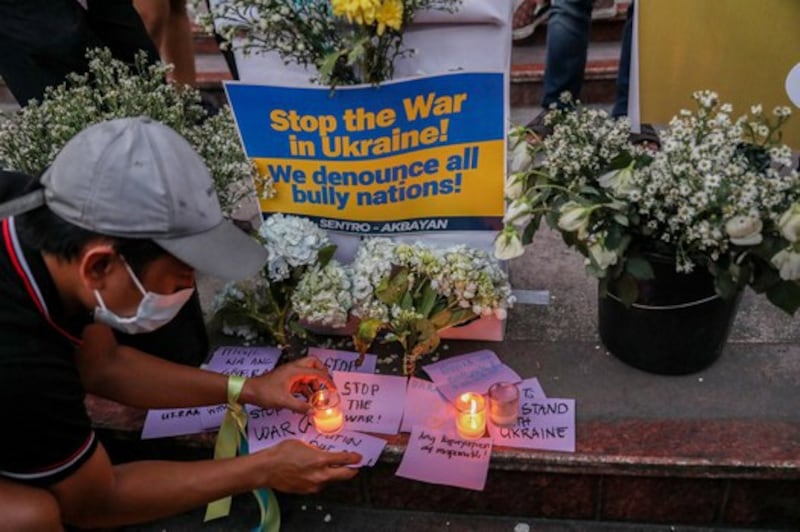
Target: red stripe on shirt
(27, 282)
(71, 458)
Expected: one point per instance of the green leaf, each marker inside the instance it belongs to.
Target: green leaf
(428, 300)
(743, 273)
(626, 289)
(530, 230)
(643, 160)
(452, 317)
(297, 329)
(365, 334)
(639, 268)
(764, 279)
(407, 302)
(621, 219)
(725, 286)
(391, 291)
(325, 255)
(328, 64)
(614, 237)
(620, 161)
(356, 52)
(441, 319)
(786, 296)
(426, 337)
(551, 217)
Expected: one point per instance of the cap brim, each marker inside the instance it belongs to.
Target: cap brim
(224, 251)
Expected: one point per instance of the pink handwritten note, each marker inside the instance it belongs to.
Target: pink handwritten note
(244, 361)
(372, 403)
(163, 423)
(436, 457)
(269, 426)
(530, 389)
(546, 424)
(473, 372)
(211, 416)
(336, 360)
(426, 407)
(369, 447)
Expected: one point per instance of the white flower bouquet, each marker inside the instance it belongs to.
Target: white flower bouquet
(347, 41)
(32, 137)
(273, 303)
(404, 293)
(411, 292)
(721, 194)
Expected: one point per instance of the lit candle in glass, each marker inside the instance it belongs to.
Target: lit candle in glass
(470, 415)
(504, 403)
(327, 413)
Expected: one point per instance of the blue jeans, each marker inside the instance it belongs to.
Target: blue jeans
(567, 46)
(624, 74)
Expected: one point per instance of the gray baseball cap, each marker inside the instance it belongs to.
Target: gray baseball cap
(137, 178)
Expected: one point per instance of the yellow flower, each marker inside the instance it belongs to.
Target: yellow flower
(390, 14)
(359, 11)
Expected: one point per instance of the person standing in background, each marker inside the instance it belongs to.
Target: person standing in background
(168, 24)
(568, 24)
(44, 40)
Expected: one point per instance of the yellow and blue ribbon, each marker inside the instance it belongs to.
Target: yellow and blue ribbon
(232, 437)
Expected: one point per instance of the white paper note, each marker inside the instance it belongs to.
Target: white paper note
(473, 372)
(371, 403)
(435, 457)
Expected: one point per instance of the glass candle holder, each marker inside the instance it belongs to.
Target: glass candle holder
(470, 415)
(327, 413)
(504, 403)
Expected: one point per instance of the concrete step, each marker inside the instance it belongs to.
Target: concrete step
(305, 514)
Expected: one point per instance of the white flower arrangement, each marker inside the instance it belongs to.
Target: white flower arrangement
(291, 241)
(410, 292)
(324, 295)
(31, 138)
(406, 292)
(265, 305)
(721, 193)
(346, 41)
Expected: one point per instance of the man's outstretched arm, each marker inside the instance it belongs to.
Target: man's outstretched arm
(102, 495)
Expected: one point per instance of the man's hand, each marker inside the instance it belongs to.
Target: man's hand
(293, 466)
(276, 389)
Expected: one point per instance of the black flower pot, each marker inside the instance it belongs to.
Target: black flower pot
(677, 326)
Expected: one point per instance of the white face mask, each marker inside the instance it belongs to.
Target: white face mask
(154, 311)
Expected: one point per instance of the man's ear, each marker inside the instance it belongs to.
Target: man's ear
(96, 263)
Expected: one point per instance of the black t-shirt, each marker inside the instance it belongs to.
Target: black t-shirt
(47, 434)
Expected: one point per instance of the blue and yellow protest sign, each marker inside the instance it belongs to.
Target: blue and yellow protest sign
(424, 154)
